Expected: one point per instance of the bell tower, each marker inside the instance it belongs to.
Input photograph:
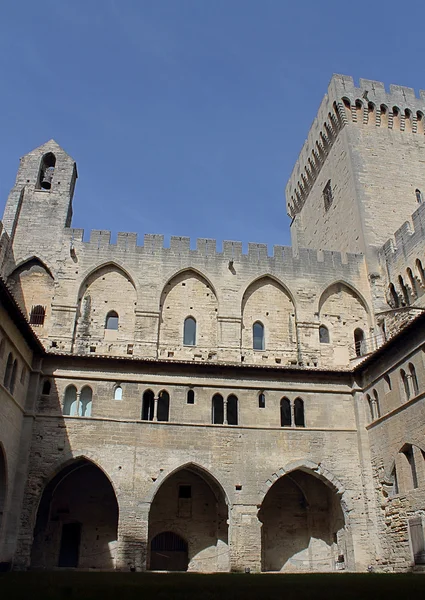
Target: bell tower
(39, 205)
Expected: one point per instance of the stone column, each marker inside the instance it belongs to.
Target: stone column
(77, 409)
(225, 411)
(155, 409)
(244, 538)
(132, 546)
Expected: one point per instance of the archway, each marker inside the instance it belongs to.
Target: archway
(188, 524)
(77, 520)
(303, 526)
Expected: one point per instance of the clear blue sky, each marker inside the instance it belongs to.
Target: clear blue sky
(185, 117)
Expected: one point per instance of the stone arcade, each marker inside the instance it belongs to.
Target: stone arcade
(210, 410)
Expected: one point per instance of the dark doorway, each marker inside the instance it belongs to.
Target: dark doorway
(168, 552)
(70, 545)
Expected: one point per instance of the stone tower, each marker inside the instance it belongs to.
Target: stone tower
(360, 174)
(40, 204)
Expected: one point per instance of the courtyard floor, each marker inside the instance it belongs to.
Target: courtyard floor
(61, 585)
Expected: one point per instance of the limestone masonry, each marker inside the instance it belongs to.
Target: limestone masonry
(210, 410)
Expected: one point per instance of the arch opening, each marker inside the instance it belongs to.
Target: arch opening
(303, 526)
(77, 520)
(188, 528)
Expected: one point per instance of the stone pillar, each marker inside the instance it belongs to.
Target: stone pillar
(77, 409)
(155, 409)
(225, 411)
(132, 547)
(244, 538)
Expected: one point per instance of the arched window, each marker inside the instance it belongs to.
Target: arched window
(359, 112)
(414, 379)
(412, 281)
(70, 401)
(118, 392)
(232, 410)
(261, 400)
(371, 117)
(190, 398)
(405, 382)
(404, 291)
(218, 409)
(148, 405)
(409, 454)
(394, 300)
(323, 334)
(189, 332)
(46, 387)
(86, 401)
(418, 195)
(163, 409)
(377, 407)
(37, 315)
(347, 106)
(258, 336)
(13, 377)
(359, 342)
(47, 170)
(111, 320)
(299, 413)
(394, 480)
(396, 118)
(407, 120)
(285, 413)
(420, 271)
(388, 385)
(8, 371)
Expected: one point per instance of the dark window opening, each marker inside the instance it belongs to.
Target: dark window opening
(299, 413)
(218, 409)
(191, 397)
(406, 384)
(285, 413)
(163, 406)
(261, 401)
(37, 315)
(185, 491)
(414, 379)
(46, 387)
(328, 195)
(232, 410)
(70, 545)
(148, 406)
(418, 194)
(359, 342)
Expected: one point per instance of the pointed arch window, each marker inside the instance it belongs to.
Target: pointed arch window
(377, 407)
(299, 418)
(70, 401)
(323, 334)
(285, 413)
(37, 315)
(148, 405)
(218, 409)
(405, 382)
(85, 404)
(419, 198)
(414, 379)
(118, 392)
(261, 400)
(189, 332)
(112, 320)
(258, 335)
(8, 371)
(163, 410)
(232, 410)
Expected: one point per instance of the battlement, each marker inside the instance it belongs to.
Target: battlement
(345, 103)
(127, 244)
(406, 238)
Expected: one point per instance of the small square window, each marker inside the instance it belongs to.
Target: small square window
(185, 491)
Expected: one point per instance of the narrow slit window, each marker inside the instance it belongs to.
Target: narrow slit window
(414, 379)
(232, 410)
(148, 406)
(118, 393)
(299, 418)
(419, 198)
(359, 342)
(46, 387)
(163, 406)
(190, 397)
(285, 413)
(258, 336)
(189, 332)
(218, 409)
(328, 195)
(261, 401)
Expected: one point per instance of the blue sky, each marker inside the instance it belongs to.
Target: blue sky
(185, 117)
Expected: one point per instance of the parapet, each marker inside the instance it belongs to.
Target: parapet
(406, 239)
(345, 103)
(305, 260)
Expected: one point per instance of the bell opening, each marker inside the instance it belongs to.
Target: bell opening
(46, 185)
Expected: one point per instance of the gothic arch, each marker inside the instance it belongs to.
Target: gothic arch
(352, 288)
(274, 278)
(316, 470)
(117, 265)
(37, 259)
(203, 472)
(189, 270)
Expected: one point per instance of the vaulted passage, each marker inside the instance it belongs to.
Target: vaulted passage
(303, 526)
(77, 520)
(188, 524)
